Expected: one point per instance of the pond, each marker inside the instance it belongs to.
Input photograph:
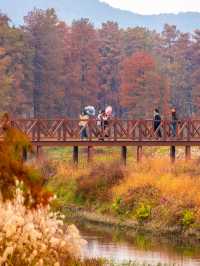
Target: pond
(122, 246)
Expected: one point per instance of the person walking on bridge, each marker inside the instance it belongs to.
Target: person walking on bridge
(157, 123)
(84, 117)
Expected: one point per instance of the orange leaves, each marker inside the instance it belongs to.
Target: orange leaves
(140, 83)
(13, 169)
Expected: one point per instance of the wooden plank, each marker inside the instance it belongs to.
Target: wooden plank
(118, 143)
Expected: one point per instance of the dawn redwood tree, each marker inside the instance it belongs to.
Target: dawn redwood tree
(170, 65)
(140, 87)
(45, 38)
(84, 62)
(5, 79)
(109, 66)
(16, 65)
(184, 75)
(195, 55)
(139, 40)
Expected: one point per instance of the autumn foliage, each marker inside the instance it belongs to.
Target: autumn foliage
(13, 171)
(140, 84)
(49, 68)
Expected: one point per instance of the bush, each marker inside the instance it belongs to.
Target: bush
(134, 196)
(143, 212)
(97, 184)
(188, 218)
(12, 169)
(116, 206)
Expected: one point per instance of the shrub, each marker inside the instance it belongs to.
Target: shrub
(12, 168)
(145, 193)
(188, 218)
(143, 212)
(116, 206)
(97, 184)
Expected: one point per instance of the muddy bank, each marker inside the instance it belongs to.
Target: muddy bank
(190, 236)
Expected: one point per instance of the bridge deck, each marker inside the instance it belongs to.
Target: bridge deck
(118, 143)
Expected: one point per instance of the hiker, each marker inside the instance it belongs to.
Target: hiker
(174, 121)
(157, 123)
(84, 117)
(99, 118)
(107, 116)
(104, 124)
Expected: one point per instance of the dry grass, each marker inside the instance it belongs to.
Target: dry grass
(154, 191)
(171, 191)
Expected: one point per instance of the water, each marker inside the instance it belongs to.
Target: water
(121, 247)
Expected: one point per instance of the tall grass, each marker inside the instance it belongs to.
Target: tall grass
(154, 191)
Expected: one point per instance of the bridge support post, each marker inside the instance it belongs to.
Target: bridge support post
(124, 155)
(24, 154)
(38, 151)
(173, 154)
(139, 154)
(75, 155)
(89, 154)
(187, 153)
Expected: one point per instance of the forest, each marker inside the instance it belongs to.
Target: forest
(51, 69)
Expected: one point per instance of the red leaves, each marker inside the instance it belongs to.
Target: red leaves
(140, 83)
(13, 169)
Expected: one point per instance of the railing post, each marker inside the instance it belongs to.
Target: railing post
(75, 155)
(164, 130)
(189, 130)
(90, 129)
(64, 130)
(173, 154)
(124, 155)
(115, 129)
(140, 130)
(38, 130)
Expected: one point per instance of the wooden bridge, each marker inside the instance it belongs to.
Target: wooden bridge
(122, 133)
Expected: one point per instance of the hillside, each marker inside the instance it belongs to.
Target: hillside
(99, 12)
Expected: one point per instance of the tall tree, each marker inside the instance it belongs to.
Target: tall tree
(109, 66)
(45, 38)
(195, 55)
(84, 62)
(140, 88)
(14, 53)
(139, 40)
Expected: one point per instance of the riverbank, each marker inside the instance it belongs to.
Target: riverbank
(130, 227)
(153, 197)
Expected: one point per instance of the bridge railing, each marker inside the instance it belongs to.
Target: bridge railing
(116, 130)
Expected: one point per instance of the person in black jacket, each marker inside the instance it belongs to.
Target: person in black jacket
(157, 123)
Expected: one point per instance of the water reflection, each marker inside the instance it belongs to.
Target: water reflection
(141, 249)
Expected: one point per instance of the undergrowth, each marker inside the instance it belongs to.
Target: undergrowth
(154, 192)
